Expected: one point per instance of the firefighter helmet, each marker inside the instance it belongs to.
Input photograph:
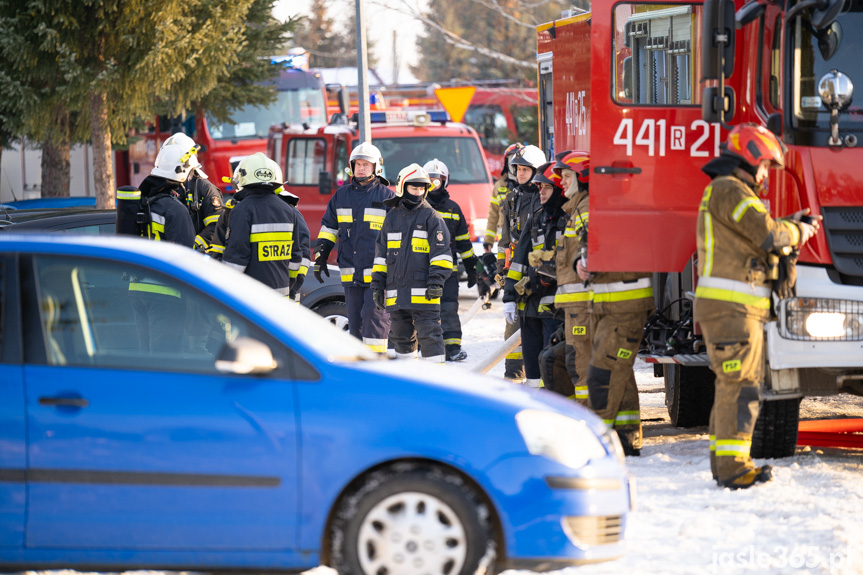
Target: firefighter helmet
(437, 170)
(546, 175)
(529, 156)
(173, 163)
(369, 153)
(755, 144)
(571, 160)
(507, 156)
(189, 146)
(412, 174)
(258, 169)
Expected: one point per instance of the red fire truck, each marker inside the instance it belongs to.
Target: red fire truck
(636, 84)
(314, 160)
(300, 99)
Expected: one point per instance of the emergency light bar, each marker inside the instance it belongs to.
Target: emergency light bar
(417, 118)
(293, 62)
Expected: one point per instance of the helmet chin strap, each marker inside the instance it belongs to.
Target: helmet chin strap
(365, 180)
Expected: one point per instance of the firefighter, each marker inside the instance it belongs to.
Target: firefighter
(572, 298)
(412, 262)
(203, 199)
(159, 310)
(353, 218)
(516, 209)
(267, 238)
(502, 186)
(738, 243)
(460, 243)
(531, 279)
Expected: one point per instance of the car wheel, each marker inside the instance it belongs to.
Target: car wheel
(411, 519)
(336, 312)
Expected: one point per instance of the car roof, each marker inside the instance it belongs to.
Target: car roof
(44, 218)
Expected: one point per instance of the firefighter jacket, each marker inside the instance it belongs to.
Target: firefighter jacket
(169, 219)
(498, 195)
(217, 243)
(543, 231)
(204, 201)
(518, 207)
(571, 289)
(268, 239)
(354, 217)
(456, 225)
(738, 242)
(412, 252)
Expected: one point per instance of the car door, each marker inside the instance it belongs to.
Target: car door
(136, 449)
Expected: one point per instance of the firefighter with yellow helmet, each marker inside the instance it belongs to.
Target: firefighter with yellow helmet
(738, 245)
(412, 262)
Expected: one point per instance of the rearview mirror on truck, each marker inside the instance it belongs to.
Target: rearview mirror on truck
(325, 182)
(718, 36)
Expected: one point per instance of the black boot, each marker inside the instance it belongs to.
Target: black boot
(455, 353)
(749, 478)
(628, 437)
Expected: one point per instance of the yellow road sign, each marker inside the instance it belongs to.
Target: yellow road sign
(455, 100)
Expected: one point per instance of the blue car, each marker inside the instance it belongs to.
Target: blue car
(244, 432)
(51, 203)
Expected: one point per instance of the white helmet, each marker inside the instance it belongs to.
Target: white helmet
(438, 172)
(369, 153)
(173, 163)
(258, 169)
(529, 156)
(412, 174)
(188, 145)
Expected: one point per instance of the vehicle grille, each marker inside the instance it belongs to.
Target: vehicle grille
(589, 531)
(844, 229)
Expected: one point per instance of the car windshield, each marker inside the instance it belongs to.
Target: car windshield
(461, 155)
(304, 105)
(811, 59)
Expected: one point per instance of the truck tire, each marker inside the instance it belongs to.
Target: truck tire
(775, 433)
(334, 311)
(688, 394)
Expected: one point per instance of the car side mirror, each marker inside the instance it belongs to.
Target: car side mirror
(325, 182)
(246, 356)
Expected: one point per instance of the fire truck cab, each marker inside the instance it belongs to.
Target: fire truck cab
(314, 161)
(637, 85)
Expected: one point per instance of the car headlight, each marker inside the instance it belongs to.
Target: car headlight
(563, 439)
(818, 318)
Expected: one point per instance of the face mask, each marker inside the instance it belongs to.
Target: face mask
(411, 200)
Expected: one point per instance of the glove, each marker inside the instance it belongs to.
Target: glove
(558, 336)
(509, 312)
(321, 256)
(296, 286)
(470, 265)
(798, 215)
(434, 291)
(807, 230)
(378, 298)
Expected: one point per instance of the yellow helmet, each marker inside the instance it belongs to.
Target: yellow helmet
(258, 169)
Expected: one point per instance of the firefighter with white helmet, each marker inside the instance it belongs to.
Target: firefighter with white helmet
(438, 198)
(738, 246)
(412, 262)
(203, 199)
(502, 187)
(267, 238)
(353, 219)
(516, 209)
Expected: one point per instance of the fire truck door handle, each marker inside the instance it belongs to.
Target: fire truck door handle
(611, 170)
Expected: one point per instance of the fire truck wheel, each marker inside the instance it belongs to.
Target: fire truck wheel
(775, 432)
(688, 394)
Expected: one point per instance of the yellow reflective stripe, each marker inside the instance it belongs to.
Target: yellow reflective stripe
(495, 200)
(375, 219)
(271, 237)
(211, 220)
(733, 297)
(217, 249)
(795, 231)
(462, 237)
(200, 241)
(573, 297)
(128, 195)
(569, 233)
(382, 348)
(627, 417)
(712, 443)
(744, 205)
(344, 219)
(514, 275)
(733, 447)
(581, 392)
(466, 255)
(327, 236)
(449, 215)
(422, 299)
(154, 288)
(391, 301)
(452, 341)
(624, 295)
(445, 264)
(514, 355)
(347, 277)
(709, 244)
(367, 279)
(394, 244)
(379, 268)
(520, 305)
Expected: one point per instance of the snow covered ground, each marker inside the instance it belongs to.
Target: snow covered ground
(808, 520)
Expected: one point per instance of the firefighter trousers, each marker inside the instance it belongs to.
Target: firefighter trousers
(412, 326)
(366, 322)
(449, 313)
(513, 364)
(553, 367)
(735, 345)
(610, 376)
(535, 334)
(577, 328)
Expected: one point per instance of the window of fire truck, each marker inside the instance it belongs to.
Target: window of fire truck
(490, 125)
(526, 123)
(340, 176)
(809, 66)
(461, 155)
(305, 105)
(305, 160)
(656, 48)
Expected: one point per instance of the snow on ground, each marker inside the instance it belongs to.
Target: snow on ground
(806, 521)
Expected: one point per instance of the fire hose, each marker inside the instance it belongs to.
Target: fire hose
(497, 355)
